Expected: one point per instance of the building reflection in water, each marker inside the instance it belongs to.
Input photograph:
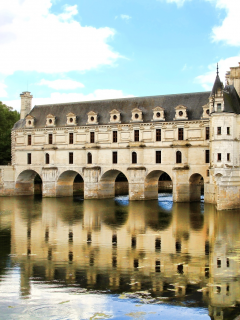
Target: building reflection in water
(174, 251)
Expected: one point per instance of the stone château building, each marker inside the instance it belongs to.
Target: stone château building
(192, 137)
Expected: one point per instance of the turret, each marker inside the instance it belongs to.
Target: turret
(233, 78)
(26, 104)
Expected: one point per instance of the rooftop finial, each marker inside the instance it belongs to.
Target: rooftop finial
(217, 70)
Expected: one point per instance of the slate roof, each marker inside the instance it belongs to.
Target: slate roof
(217, 85)
(192, 101)
(231, 100)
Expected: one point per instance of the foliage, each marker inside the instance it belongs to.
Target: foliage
(7, 119)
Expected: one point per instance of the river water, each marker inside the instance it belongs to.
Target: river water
(66, 258)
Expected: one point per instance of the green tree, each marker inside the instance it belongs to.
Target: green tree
(7, 119)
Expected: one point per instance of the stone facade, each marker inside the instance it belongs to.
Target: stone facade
(192, 137)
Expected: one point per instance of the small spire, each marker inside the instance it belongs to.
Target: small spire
(217, 70)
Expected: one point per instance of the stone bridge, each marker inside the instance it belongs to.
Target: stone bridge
(99, 181)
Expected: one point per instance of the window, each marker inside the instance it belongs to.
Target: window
(114, 136)
(92, 137)
(71, 138)
(135, 263)
(178, 246)
(158, 244)
(178, 157)
(134, 242)
(70, 157)
(158, 135)
(207, 156)
(157, 266)
(114, 156)
(219, 107)
(29, 158)
(228, 130)
(50, 138)
(136, 135)
(180, 133)
(29, 140)
(228, 263)
(89, 158)
(219, 157)
(207, 133)
(228, 156)
(47, 158)
(219, 131)
(158, 156)
(134, 157)
(219, 263)
(180, 268)
(207, 173)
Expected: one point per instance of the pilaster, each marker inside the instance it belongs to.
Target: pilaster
(49, 182)
(91, 182)
(136, 179)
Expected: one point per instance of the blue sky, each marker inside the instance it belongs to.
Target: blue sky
(73, 50)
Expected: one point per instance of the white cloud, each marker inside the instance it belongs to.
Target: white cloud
(179, 3)
(61, 84)
(208, 78)
(3, 92)
(34, 39)
(57, 97)
(228, 31)
(125, 17)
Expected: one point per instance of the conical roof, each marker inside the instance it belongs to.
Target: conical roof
(217, 85)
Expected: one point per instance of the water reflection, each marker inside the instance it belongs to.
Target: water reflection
(180, 254)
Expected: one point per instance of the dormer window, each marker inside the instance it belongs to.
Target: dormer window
(92, 117)
(219, 107)
(115, 116)
(50, 120)
(180, 113)
(29, 121)
(71, 119)
(136, 115)
(206, 111)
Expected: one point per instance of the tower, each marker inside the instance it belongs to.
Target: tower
(26, 104)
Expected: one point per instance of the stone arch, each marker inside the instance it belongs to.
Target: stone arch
(151, 184)
(25, 182)
(64, 186)
(107, 183)
(196, 183)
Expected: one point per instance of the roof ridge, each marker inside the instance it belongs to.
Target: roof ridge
(125, 98)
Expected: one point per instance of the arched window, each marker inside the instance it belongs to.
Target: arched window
(89, 158)
(178, 157)
(47, 159)
(134, 157)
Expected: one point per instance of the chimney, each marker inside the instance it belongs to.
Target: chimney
(26, 104)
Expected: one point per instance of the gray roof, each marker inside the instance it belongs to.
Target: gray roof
(192, 101)
(217, 85)
(231, 100)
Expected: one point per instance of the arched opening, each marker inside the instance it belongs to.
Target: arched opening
(65, 183)
(28, 183)
(178, 157)
(157, 181)
(47, 158)
(113, 182)
(89, 158)
(134, 157)
(78, 186)
(196, 187)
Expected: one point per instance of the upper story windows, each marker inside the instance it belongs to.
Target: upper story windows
(29, 140)
(29, 121)
(115, 116)
(50, 138)
(158, 114)
(228, 130)
(71, 119)
(207, 133)
(219, 130)
(92, 117)
(136, 115)
(219, 107)
(71, 138)
(136, 135)
(92, 137)
(50, 120)
(180, 113)
(158, 135)
(180, 134)
(114, 136)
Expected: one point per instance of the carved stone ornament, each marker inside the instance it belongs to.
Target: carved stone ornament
(50, 120)
(29, 121)
(92, 117)
(181, 113)
(136, 115)
(158, 114)
(206, 111)
(71, 119)
(115, 116)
